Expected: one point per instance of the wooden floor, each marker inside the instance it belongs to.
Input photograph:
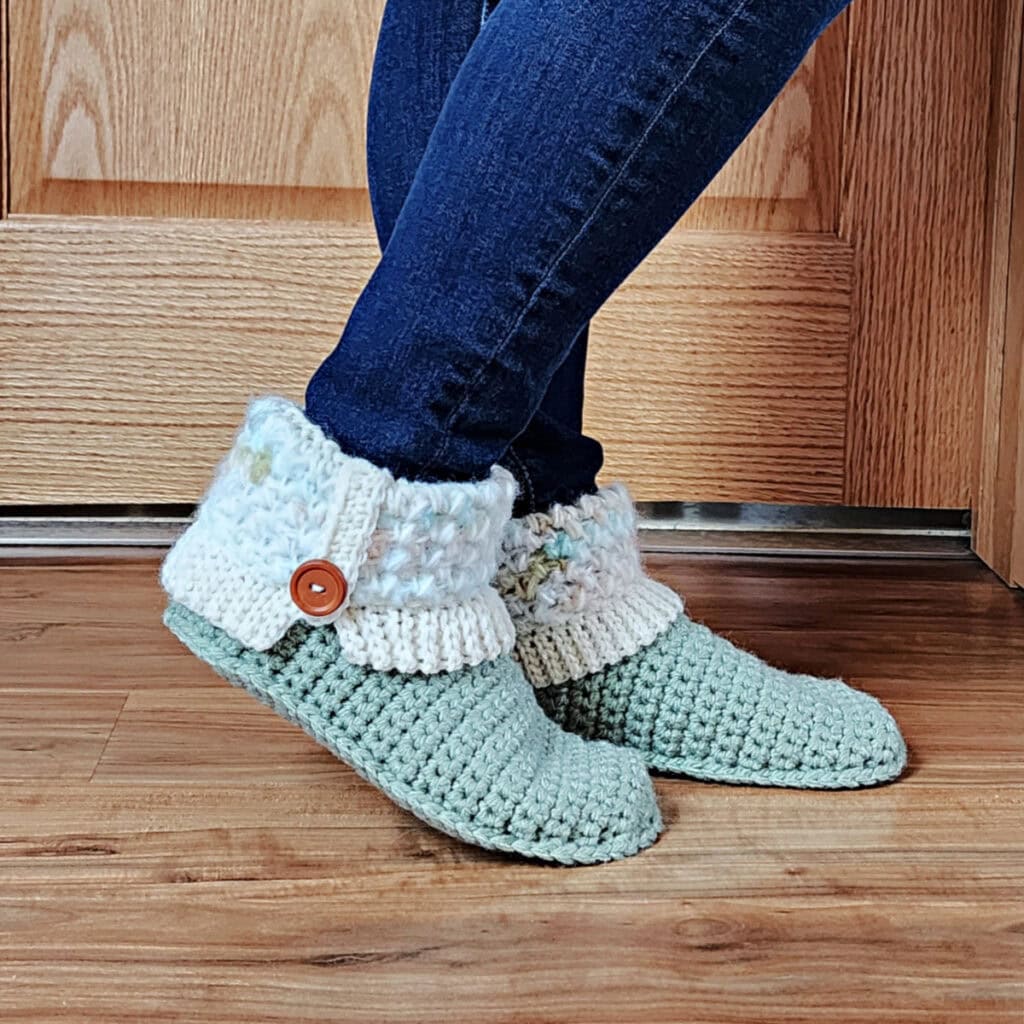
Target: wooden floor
(171, 851)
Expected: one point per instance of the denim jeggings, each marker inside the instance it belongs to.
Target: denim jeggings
(521, 165)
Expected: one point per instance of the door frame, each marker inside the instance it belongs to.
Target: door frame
(998, 495)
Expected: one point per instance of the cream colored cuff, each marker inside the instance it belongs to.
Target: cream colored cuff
(602, 635)
(414, 560)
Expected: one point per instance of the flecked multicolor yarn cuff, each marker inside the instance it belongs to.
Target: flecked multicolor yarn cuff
(417, 558)
(575, 587)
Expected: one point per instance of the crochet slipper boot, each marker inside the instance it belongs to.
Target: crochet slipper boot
(358, 606)
(614, 657)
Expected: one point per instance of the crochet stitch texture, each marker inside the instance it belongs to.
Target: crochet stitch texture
(468, 752)
(687, 700)
(418, 557)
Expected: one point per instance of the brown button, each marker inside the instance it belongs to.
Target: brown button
(319, 587)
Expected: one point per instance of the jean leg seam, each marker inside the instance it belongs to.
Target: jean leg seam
(598, 205)
(531, 496)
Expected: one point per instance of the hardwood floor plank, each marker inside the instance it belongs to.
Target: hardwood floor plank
(217, 733)
(720, 843)
(861, 619)
(286, 954)
(50, 613)
(54, 735)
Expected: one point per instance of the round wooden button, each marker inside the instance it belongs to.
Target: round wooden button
(319, 587)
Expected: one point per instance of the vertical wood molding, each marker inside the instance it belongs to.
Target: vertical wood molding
(913, 206)
(999, 467)
(5, 120)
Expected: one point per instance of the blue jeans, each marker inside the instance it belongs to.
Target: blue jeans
(522, 163)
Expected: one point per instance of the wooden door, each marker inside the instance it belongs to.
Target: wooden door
(186, 224)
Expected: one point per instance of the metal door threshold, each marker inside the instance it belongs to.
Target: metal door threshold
(666, 527)
(805, 530)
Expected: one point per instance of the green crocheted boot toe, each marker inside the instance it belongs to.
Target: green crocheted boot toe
(468, 752)
(360, 607)
(614, 657)
(693, 704)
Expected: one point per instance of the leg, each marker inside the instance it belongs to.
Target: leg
(420, 48)
(611, 651)
(539, 191)
(419, 51)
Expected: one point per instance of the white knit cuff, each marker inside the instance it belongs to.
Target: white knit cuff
(603, 635)
(425, 639)
(417, 558)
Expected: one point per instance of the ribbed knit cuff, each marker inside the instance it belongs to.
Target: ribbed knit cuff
(601, 636)
(416, 559)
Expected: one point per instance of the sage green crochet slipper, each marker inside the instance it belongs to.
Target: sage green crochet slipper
(691, 703)
(614, 657)
(469, 752)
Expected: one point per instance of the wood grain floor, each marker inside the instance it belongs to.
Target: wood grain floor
(171, 851)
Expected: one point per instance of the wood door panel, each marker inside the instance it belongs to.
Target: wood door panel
(210, 101)
(161, 330)
(130, 346)
(264, 93)
(784, 177)
(200, 201)
(720, 369)
(5, 106)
